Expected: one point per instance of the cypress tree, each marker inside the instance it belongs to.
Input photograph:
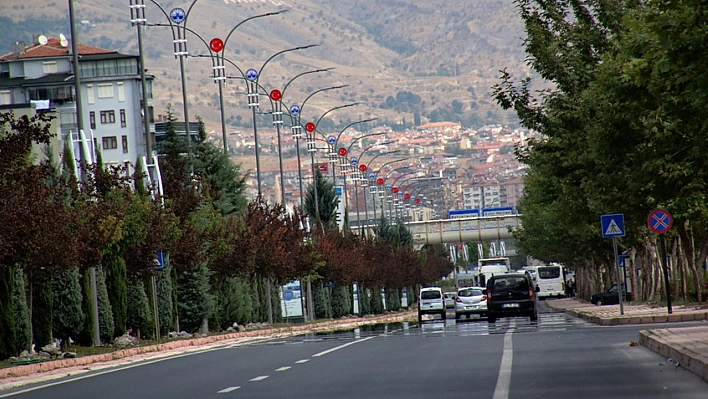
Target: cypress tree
(105, 312)
(393, 299)
(341, 301)
(42, 302)
(85, 337)
(8, 333)
(67, 316)
(117, 287)
(196, 303)
(165, 299)
(322, 301)
(23, 334)
(235, 303)
(138, 315)
(376, 301)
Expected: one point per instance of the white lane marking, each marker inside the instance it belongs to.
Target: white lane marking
(501, 391)
(336, 348)
(284, 368)
(260, 378)
(302, 361)
(229, 389)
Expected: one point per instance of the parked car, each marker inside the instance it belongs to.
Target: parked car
(609, 297)
(431, 301)
(471, 301)
(511, 294)
(450, 299)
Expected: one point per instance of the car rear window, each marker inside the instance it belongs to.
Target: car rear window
(511, 283)
(469, 292)
(549, 272)
(429, 295)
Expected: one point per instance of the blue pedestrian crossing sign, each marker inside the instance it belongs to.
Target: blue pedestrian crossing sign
(612, 225)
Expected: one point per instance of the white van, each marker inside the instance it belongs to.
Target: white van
(551, 281)
(487, 271)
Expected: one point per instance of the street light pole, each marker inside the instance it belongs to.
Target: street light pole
(357, 175)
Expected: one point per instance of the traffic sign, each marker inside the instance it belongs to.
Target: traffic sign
(660, 221)
(177, 15)
(252, 75)
(612, 225)
(331, 140)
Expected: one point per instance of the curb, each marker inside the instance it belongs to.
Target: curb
(638, 319)
(668, 344)
(195, 343)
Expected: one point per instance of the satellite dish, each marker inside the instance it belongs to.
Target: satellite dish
(42, 40)
(62, 40)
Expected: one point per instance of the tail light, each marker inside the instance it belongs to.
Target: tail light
(484, 298)
(457, 299)
(531, 293)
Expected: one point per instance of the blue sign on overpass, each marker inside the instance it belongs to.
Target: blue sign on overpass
(463, 213)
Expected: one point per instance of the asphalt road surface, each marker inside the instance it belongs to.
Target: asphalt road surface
(557, 357)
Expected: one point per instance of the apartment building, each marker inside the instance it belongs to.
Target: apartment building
(41, 76)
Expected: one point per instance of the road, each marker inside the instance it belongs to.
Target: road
(558, 357)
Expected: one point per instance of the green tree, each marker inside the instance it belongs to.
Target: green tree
(8, 332)
(327, 203)
(196, 302)
(341, 301)
(67, 317)
(105, 312)
(139, 316)
(23, 335)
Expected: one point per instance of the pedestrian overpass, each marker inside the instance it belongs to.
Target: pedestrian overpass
(484, 228)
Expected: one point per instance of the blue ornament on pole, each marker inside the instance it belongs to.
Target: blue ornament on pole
(177, 15)
(353, 161)
(388, 187)
(331, 140)
(295, 110)
(252, 75)
(372, 176)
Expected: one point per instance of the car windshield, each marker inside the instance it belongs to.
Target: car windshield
(511, 284)
(469, 292)
(429, 295)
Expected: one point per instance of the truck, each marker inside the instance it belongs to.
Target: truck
(488, 267)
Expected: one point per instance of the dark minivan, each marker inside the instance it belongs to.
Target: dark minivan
(511, 294)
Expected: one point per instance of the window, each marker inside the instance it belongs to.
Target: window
(92, 119)
(108, 117)
(123, 122)
(49, 67)
(124, 141)
(105, 90)
(5, 97)
(90, 98)
(121, 91)
(110, 143)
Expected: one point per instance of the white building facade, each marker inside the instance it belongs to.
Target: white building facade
(41, 76)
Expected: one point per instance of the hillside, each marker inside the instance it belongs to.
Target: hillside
(438, 58)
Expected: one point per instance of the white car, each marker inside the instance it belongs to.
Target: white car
(471, 301)
(431, 301)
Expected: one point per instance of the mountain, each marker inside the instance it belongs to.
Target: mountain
(398, 58)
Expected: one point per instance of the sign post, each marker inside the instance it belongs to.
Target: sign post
(660, 221)
(613, 227)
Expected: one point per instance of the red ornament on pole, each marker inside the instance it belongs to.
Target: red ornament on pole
(394, 190)
(216, 45)
(343, 152)
(417, 201)
(407, 196)
(310, 127)
(379, 181)
(275, 95)
(362, 168)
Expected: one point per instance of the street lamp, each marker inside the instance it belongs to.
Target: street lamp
(177, 19)
(252, 76)
(370, 183)
(380, 181)
(356, 176)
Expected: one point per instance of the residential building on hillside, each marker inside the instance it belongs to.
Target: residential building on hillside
(41, 75)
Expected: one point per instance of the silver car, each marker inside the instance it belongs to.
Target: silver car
(450, 299)
(471, 301)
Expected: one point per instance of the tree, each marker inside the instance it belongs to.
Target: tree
(139, 316)
(105, 312)
(326, 203)
(195, 300)
(23, 333)
(67, 317)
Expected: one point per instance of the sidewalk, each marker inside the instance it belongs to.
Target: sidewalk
(687, 346)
